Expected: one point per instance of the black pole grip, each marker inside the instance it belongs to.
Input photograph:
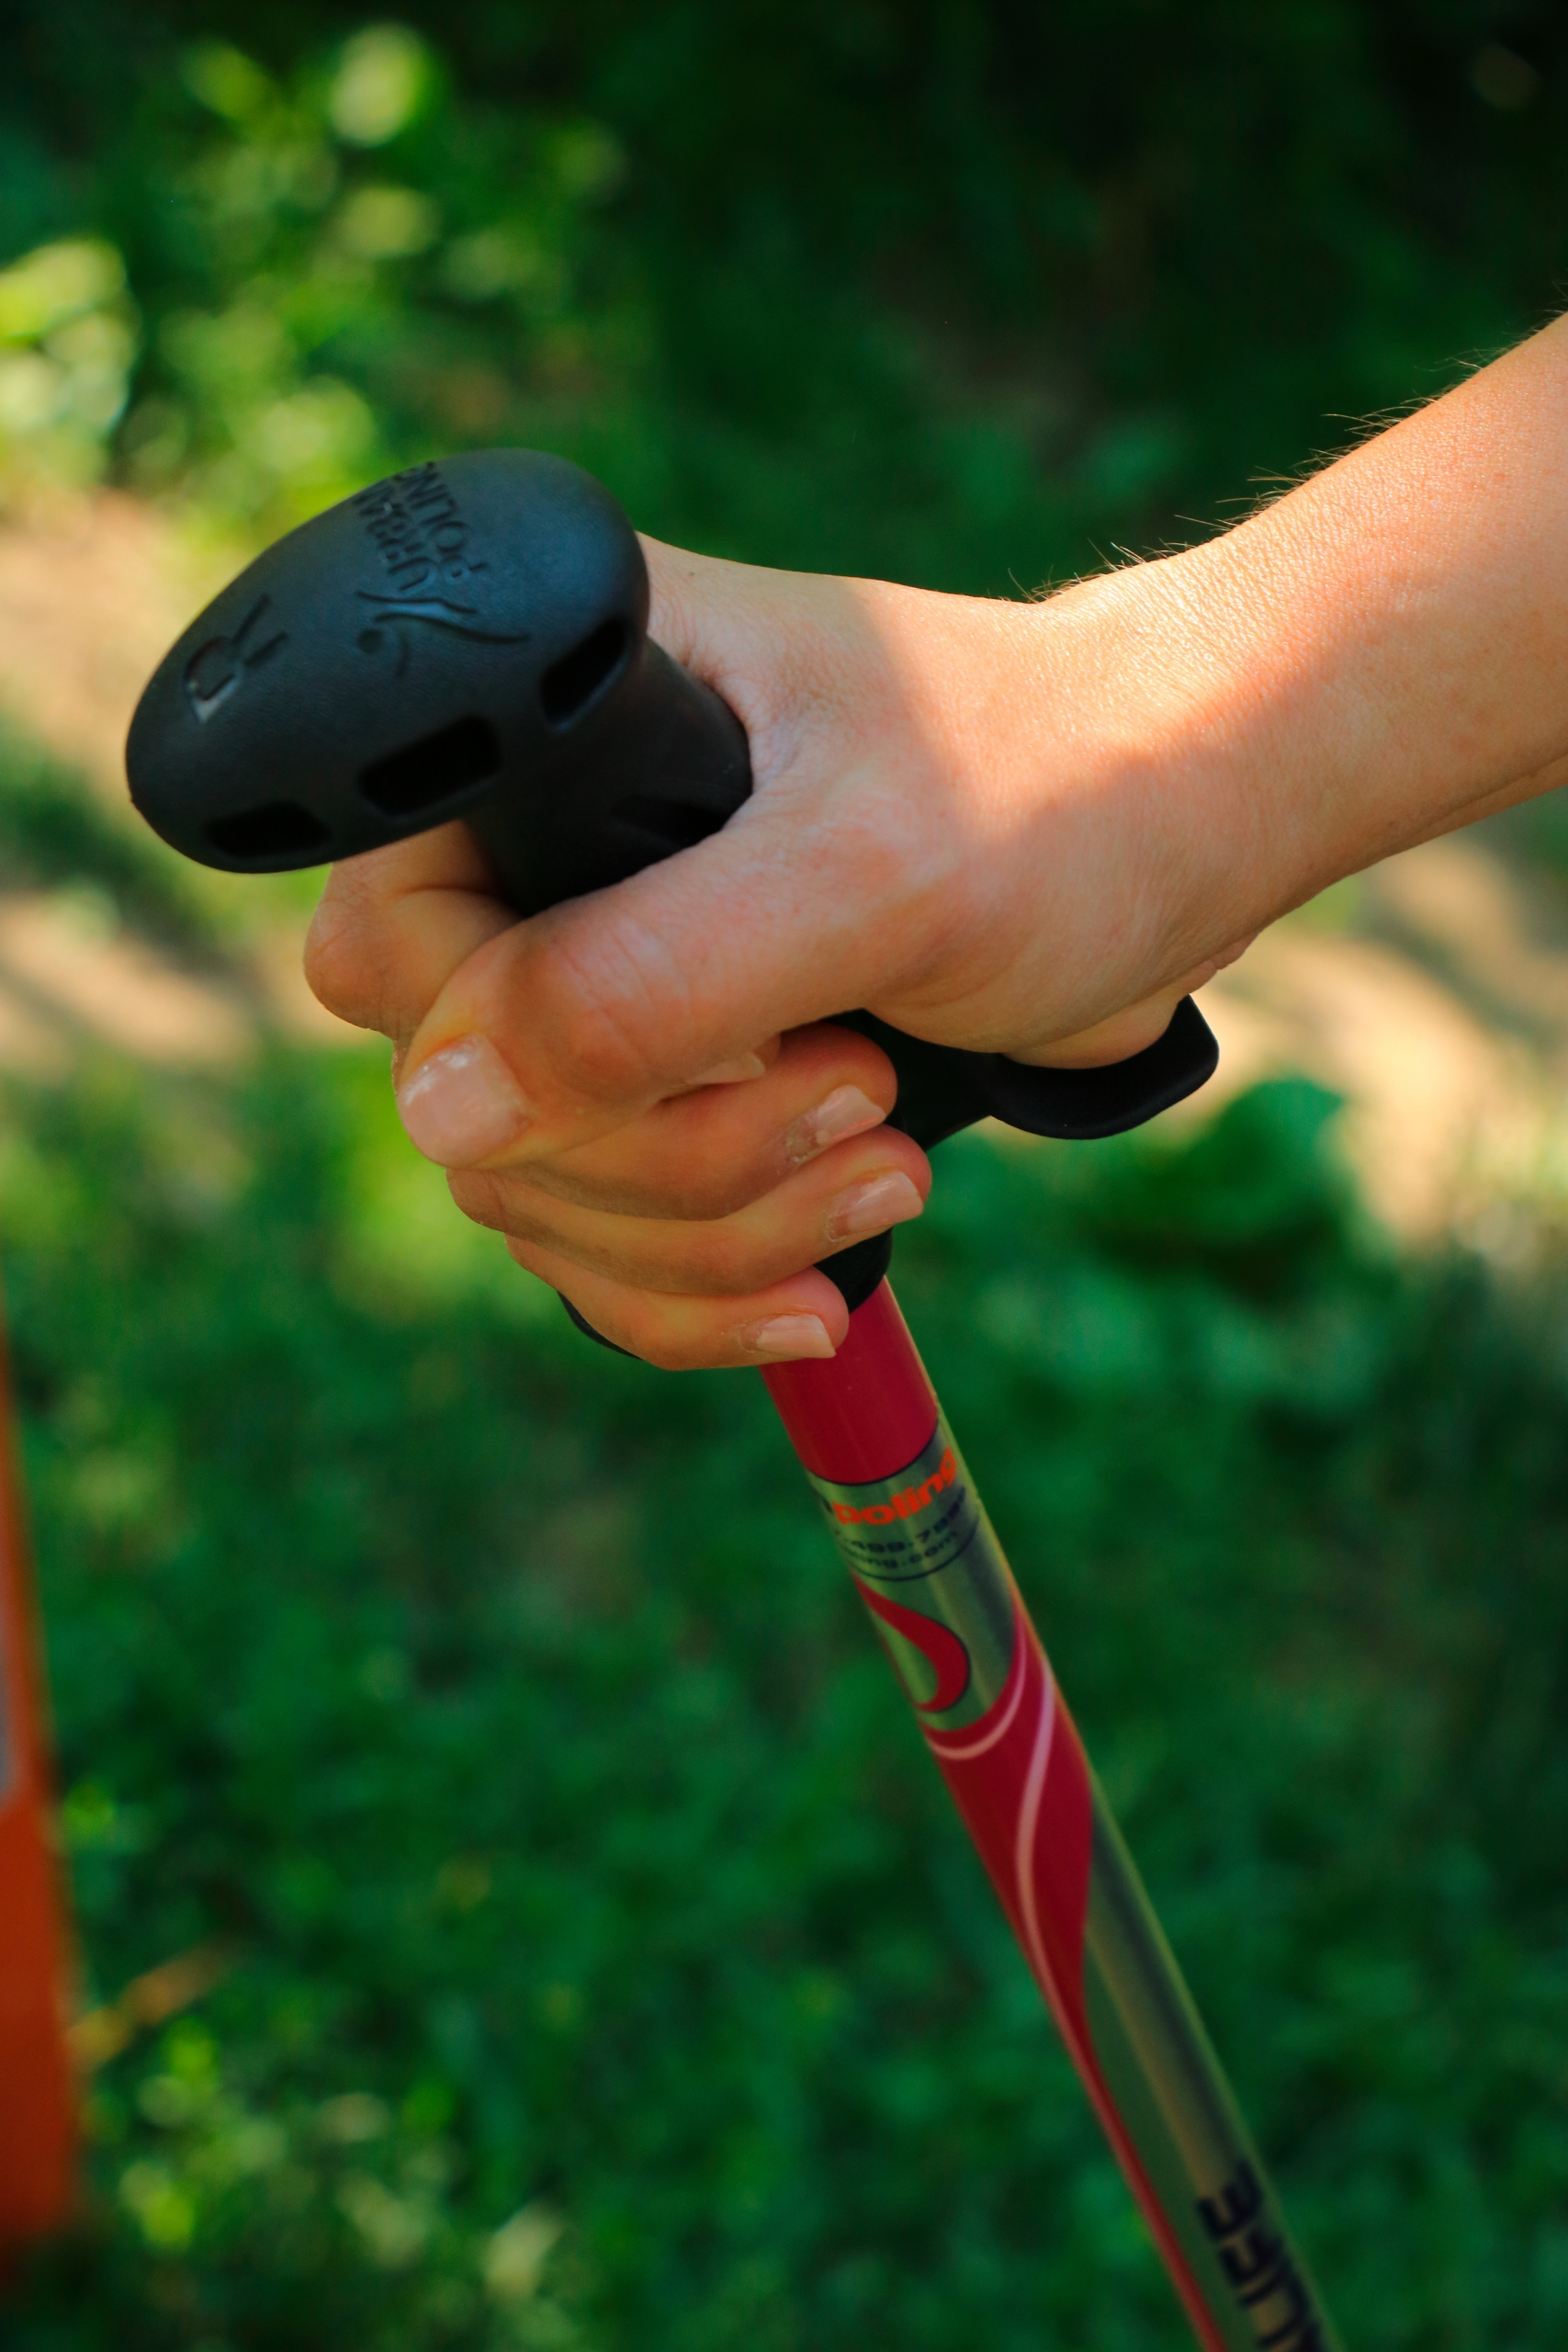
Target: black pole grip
(465, 640)
(469, 639)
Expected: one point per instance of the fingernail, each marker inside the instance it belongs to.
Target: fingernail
(789, 1334)
(462, 1104)
(873, 1206)
(845, 1111)
(731, 1073)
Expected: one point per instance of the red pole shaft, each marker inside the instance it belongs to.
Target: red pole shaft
(916, 1542)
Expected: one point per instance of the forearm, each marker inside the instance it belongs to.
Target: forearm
(1375, 659)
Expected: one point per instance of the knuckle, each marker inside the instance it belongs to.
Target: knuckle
(695, 1197)
(733, 1263)
(722, 1193)
(478, 1197)
(713, 1259)
(339, 969)
(487, 1198)
(638, 1325)
(664, 1353)
(613, 1003)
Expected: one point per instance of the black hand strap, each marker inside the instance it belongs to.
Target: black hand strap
(941, 1089)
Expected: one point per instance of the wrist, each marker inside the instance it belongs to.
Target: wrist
(1376, 657)
(1138, 840)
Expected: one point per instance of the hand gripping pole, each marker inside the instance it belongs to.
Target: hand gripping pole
(469, 640)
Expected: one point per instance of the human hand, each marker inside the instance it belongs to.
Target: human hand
(1027, 828)
(680, 1206)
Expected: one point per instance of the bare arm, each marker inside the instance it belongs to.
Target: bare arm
(1026, 827)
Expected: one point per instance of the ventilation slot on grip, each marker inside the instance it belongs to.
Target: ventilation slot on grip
(277, 828)
(569, 684)
(434, 769)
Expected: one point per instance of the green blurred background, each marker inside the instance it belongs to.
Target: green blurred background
(600, 1967)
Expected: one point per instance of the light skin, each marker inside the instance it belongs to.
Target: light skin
(1023, 828)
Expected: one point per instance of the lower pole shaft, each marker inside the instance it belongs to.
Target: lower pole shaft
(918, 1543)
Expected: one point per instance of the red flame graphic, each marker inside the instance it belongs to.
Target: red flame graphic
(938, 1644)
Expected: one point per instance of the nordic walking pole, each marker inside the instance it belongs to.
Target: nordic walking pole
(469, 639)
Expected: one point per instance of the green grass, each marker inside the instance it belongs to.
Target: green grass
(503, 1706)
(963, 295)
(499, 1704)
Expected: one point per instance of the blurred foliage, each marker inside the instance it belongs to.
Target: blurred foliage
(55, 830)
(960, 292)
(609, 1972)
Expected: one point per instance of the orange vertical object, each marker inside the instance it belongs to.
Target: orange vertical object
(38, 2116)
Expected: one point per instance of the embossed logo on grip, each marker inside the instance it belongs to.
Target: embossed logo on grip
(388, 625)
(216, 671)
(419, 532)
(421, 535)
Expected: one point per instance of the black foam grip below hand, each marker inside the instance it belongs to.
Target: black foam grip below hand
(942, 1089)
(1084, 1105)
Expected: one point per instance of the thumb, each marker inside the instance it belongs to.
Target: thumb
(570, 1025)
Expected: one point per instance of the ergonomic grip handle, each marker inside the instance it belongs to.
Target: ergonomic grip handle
(469, 639)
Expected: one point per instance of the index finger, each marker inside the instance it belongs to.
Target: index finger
(393, 925)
